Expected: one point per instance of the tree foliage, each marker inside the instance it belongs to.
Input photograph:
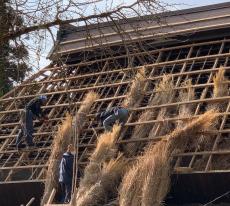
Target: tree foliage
(13, 55)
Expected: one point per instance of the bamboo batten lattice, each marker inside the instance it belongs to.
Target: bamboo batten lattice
(66, 87)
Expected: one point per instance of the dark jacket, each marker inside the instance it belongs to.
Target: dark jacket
(66, 168)
(35, 107)
(107, 113)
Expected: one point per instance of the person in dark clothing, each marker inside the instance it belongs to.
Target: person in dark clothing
(116, 114)
(66, 175)
(32, 111)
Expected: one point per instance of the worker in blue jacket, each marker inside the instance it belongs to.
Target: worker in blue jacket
(32, 111)
(110, 116)
(66, 174)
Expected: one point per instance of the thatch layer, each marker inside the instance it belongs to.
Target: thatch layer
(147, 182)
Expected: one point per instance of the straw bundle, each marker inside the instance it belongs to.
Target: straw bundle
(163, 127)
(104, 151)
(106, 185)
(186, 94)
(136, 92)
(85, 107)
(60, 143)
(164, 93)
(220, 89)
(147, 182)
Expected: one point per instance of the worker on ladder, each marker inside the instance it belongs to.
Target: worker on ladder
(66, 174)
(110, 116)
(32, 110)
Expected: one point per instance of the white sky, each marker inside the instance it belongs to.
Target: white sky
(180, 4)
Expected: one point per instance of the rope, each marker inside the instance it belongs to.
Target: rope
(75, 166)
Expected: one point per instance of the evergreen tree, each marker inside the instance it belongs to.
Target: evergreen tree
(13, 56)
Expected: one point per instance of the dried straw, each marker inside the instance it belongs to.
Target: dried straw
(85, 107)
(162, 128)
(164, 93)
(104, 151)
(62, 139)
(106, 185)
(220, 89)
(136, 92)
(148, 181)
(186, 94)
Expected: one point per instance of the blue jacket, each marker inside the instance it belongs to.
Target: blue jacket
(66, 168)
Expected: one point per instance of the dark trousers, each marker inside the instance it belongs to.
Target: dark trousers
(27, 130)
(66, 190)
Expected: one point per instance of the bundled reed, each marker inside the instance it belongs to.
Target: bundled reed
(186, 94)
(220, 89)
(105, 187)
(85, 107)
(167, 96)
(164, 93)
(148, 181)
(220, 86)
(104, 151)
(137, 89)
(63, 138)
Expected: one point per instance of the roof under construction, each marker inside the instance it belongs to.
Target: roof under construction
(189, 46)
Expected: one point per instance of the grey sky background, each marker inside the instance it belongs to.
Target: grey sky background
(178, 4)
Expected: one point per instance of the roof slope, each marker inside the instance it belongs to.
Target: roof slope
(65, 87)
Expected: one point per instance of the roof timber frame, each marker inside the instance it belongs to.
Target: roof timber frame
(65, 87)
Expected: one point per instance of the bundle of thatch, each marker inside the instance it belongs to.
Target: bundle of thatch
(220, 86)
(85, 107)
(137, 90)
(220, 89)
(167, 96)
(105, 187)
(61, 141)
(164, 93)
(64, 137)
(104, 151)
(148, 181)
(185, 95)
